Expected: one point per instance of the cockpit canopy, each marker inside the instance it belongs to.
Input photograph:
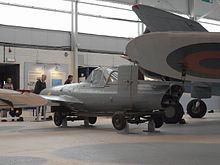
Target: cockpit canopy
(102, 76)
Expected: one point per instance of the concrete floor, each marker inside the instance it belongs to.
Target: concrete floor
(36, 143)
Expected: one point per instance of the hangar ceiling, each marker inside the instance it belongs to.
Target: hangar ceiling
(209, 9)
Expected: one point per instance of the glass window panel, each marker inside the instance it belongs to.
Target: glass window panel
(107, 11)
(52, 4)
(18, 16)
(211, 27)
(107, 3)
(107, 27)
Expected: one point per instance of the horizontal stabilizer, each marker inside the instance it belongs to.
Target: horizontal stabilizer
(158, 20)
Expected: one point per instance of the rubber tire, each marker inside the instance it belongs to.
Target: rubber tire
(177, 116)
(158, 120)
(119, 122)
(20, 119)
(18, 112)
(202, 109)
(92, 120)
(12, 113)
(58, 118)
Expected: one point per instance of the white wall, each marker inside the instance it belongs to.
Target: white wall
(1, 54)
(23, 55)
(102, 43)
(97, 59)
(33, 36)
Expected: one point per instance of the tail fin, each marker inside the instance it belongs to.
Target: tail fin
(158, 20)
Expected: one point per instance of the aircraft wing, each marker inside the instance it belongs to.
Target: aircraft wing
(13, 99)
(62, 99)
(158, 20)
(195, 53)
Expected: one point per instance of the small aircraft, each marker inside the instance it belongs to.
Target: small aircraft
(174, 48)
(14, 101)
(115, 92)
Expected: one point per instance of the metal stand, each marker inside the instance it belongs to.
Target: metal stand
(64, 123)
(86, 122)
(44, 111)
(151, 126)
(126, 129)
(38, 113)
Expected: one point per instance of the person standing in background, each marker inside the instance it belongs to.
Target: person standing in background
(69, 80)
(39, 86)
(8, 84)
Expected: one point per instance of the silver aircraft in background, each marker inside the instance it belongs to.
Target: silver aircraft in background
(174, 48)
(118, 93)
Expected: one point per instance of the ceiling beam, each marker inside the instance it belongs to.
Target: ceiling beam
(191, 9)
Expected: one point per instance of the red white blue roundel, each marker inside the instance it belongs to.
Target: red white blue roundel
(201, 60)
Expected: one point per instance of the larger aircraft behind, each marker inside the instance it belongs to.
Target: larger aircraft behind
(180, 49)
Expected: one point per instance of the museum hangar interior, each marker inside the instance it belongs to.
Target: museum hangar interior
(58, 38)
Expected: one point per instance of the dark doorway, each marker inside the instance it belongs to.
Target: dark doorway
(85, 71)
(12, 71)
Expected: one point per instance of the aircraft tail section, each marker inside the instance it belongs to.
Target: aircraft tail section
(127, 80)
(158, 20)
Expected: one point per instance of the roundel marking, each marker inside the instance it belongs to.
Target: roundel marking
(202, 60)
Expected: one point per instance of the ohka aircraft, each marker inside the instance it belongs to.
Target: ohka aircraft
(174, 48)
(118, 93)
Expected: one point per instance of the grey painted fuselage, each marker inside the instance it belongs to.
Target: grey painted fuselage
(108, 97)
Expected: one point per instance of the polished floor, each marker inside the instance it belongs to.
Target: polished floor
(41, 143)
